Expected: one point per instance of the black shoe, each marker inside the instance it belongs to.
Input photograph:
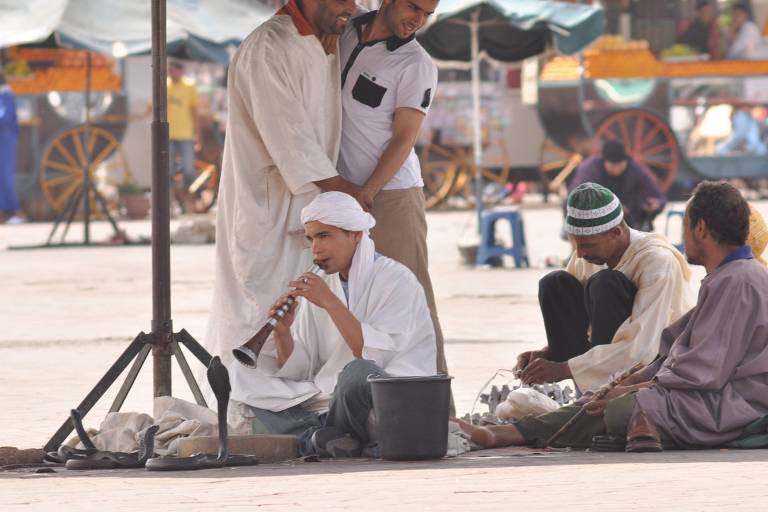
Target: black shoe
(334, 442)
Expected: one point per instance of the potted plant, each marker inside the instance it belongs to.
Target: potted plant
(134, 199)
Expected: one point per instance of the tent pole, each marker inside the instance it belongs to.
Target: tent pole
(162, 325)
(87, 138)
(474, 33)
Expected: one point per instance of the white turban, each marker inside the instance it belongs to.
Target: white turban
(343, 211)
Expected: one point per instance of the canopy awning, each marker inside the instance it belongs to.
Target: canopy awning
(201, 28)
(511, 30)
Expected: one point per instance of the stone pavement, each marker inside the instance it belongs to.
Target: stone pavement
(66, 314)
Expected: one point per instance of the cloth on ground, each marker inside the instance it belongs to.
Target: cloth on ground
(523, 401)
(121, 431)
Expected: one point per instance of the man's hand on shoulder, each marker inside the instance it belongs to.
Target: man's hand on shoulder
(338, 184)
(365, 197)
(541, 371)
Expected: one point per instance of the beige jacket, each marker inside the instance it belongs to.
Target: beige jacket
(662, 277)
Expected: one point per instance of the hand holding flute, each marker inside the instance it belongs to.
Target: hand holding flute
(281, 316)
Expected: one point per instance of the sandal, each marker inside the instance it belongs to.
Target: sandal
(103, 459)
(642, 435)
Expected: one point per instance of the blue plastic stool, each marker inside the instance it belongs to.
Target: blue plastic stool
(670, 214)
(489, 249)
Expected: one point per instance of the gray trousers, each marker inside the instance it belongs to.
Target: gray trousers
(349, 408)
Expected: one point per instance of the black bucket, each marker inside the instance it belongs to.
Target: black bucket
(411, 416)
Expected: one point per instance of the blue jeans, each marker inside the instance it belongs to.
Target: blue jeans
(184, 150)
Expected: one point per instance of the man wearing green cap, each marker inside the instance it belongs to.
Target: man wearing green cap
(708, 387)
(605, 312)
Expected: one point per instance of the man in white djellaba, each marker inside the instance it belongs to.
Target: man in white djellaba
(363, 314)
(283, 133)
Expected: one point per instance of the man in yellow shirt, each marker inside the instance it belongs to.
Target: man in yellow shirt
(183, 122)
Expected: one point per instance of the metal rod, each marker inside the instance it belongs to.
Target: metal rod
(69, 211)
(105, 210)
(98, 390)
(187, 372)
(130, 379)
(474, 37)
(87, 136)
(162, 326)
(194, 347)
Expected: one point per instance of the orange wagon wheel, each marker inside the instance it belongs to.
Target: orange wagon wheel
(61, 168)
(648, 139)
(440, 167)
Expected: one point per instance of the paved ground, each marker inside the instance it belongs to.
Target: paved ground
(66, 314)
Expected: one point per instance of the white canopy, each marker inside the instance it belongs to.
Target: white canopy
(121, 27)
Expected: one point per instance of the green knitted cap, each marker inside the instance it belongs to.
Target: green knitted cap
(592, 209)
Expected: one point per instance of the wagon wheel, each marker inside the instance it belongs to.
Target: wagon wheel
(556, 165)
(647, 139)
(440, 166)
(465, 181)
(500, 174)
(61, 169)
(205, 188)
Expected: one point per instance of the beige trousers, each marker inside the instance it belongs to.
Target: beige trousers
(401, 234)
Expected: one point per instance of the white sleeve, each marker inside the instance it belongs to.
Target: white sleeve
(417, 85)
(637, 339)
(272, 92)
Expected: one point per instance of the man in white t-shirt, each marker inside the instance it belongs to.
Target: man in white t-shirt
(388, 82)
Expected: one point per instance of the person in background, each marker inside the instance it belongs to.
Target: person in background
(9, 133)
(184, 129)
(745, 40)
(702, 32)
(631, 181)
(745, 134)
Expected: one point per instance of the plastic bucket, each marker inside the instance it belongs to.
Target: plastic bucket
(411, 416)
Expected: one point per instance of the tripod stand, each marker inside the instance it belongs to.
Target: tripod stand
(162, 341)
(87, 191)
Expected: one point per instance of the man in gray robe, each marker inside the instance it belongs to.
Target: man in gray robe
(711, 378)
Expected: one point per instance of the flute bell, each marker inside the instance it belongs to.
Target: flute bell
(245, 356)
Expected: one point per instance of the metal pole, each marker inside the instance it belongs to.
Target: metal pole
(162, 326)
(474, 29)
(87, 150)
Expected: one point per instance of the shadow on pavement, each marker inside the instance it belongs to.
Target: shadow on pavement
(484, 459)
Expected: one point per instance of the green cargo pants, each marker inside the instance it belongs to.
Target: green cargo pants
(536, 430)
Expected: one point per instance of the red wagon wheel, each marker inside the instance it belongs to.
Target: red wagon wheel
(648, 139)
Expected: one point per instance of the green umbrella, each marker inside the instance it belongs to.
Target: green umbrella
(506, 31)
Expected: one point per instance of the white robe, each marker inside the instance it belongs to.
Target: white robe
(662, 277)
(397, 335)
(283, 134)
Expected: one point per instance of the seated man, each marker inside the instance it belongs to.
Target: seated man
(703, 31)
(632, 182)
(602, 320)
(745, 134)
(364, 314)
(711, 380)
